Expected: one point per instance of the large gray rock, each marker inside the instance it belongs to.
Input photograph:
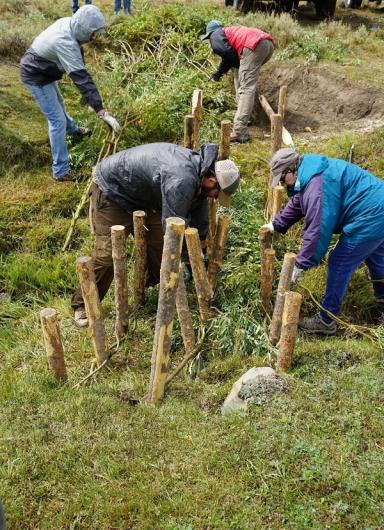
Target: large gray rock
(233, 401)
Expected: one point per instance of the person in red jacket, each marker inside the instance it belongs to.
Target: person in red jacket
(245, 50)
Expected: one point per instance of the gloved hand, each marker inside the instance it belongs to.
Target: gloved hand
(269, 226)
(296, 274)
(110, 120)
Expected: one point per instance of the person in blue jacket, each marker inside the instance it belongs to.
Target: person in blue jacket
(333, 197)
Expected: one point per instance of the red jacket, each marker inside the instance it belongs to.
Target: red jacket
(240, 37)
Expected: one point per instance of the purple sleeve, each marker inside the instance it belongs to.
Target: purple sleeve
(290, 215)
(311, 199)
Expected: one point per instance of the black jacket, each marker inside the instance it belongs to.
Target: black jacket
(161, 176)
(220, 46)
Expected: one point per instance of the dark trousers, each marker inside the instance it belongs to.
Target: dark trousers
(105, 214)
(343, 261)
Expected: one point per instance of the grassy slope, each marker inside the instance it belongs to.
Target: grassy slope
(88, 459)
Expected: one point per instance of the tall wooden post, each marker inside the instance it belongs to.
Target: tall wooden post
(184, 315)
(265, 241)
(140, 267)
(169, 277)
(84, 267)
(53, 344)
(276, 132)
(188, 131)
(282, 102)
(203, 289)
(283, 287)
(218, 251)
(120, 277)
(292, 303)
(225, 137)
(277, 200)
(267, 268)
(197, 109)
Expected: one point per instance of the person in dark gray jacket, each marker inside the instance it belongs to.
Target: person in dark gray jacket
(57, 50)
(163, 179)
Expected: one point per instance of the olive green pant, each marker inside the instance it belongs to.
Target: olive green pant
(245, 79)
(104, 214)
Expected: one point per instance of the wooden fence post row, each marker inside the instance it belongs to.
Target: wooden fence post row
(169, 278)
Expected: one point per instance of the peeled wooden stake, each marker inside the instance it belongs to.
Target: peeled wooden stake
(292, 303)
(184, 315)
(120, 277)
(265, 241)
(267, 268)
(169, 277)
(203, 288)
(84, 267)
(276, 132)
(140, 268)
(53, 344)
(188, 131)
(225, 137)
(282, 102)
(197, 109)
(277, 200)
(216, 262)
(283, 287)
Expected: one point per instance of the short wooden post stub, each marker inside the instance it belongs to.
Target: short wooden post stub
(184, 314)
(267, 268)
(283, 287)
(120, 277)
(84, 267)
(276, 132)
(169, 278)
(188, 131)
(225, 137)
(277, 199)
(292, 303)
(283, 92)
(197, 110)
(140, 252)
(265, 241)
(53, 343)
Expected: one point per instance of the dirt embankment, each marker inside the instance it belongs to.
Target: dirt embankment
(322, 100)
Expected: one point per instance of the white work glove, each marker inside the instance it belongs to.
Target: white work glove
(296, 274)
(110, 120)
(269, 226)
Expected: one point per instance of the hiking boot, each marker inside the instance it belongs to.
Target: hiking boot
(70, 177)
(82, 132)
(81, 318)
(316, 324)
(239, 140)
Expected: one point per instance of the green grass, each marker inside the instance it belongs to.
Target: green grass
(88, 458)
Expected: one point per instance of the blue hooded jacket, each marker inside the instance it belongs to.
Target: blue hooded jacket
(334, 197)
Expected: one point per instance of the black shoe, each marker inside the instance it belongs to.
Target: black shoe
(70, 177)
(82, 132)
(239, 140)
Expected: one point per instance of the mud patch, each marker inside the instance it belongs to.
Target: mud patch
(321, 100)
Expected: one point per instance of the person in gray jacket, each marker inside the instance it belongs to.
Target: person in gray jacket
(57, 50)
(163, 179)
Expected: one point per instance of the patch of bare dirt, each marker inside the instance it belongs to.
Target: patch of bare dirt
(321, 100)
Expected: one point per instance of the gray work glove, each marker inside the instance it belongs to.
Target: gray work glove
(269, 226)
(296, 274)
(110, 120)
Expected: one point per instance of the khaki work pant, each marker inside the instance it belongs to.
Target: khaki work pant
(245, 79)
(104, 214)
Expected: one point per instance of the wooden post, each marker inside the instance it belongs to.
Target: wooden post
(200, 277)
(277, 200)
(218, 251)
(169, 277)
(53, 343)
(212, 218)
(292, 303)
(188, 131)
(225, 137)
(140, 250)
(267, 267)
(282, 102)
(283, 287)
(184, 315)
(197, 108)
(84, 267)
(286, 135)
(265, 241)
(120, 277)
(276, 132)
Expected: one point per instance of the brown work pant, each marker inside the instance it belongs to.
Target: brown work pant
(104, 214)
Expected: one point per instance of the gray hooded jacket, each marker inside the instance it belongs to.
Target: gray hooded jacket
(161, 176)
(58, 50)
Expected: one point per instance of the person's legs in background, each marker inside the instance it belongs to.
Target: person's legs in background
(117, 6)
(47, 98)
(127, 7)
(375, 264)
(75, 6)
